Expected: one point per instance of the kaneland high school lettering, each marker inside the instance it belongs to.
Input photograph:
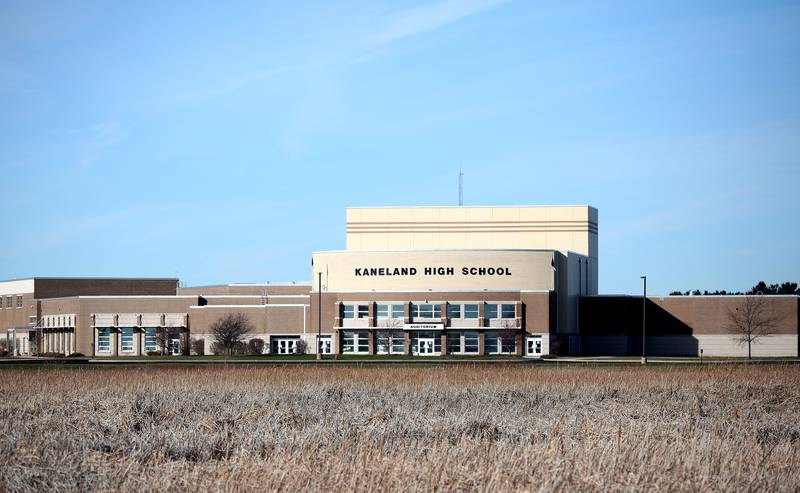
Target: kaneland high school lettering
(431, 271)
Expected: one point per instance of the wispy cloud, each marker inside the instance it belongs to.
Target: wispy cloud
(92, 140)
(431, 17)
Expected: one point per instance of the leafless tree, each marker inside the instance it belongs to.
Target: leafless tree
(751, 319)
(164, 335)
(392, 328)
(508, 336)
(230, 330)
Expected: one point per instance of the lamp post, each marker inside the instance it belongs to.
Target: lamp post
(644, 331)
(319, 314)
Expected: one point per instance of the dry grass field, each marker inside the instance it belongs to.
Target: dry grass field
(485, 428)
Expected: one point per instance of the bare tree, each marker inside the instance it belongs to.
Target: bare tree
(230, 330)
(751, 319)
(163, 337)
(391, 329)
(508, 336)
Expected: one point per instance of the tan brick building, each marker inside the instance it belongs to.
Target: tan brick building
(423, 281)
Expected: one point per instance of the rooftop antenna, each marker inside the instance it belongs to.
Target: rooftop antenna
(460, 187)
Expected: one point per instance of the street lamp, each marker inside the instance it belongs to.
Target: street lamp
(644, 332)
(319, 315)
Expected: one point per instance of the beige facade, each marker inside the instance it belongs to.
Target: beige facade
(561, 228)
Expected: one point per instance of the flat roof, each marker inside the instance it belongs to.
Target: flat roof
(92, 279)
(466, 206)
(250, 284)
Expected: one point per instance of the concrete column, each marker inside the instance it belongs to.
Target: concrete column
(371, 310)
(519, 340)
(115, 336)
(481, 340)
(444, 343)
(481, 315)
(371, 340)
(406, 341)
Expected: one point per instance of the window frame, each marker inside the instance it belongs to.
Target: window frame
(477, 311)
(362, 311)
(348, 309)
(104, 333)
(126, 340)
(504, 306)
(454, 307)
(490, 309)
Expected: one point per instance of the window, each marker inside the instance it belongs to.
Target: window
(9, 301)
(103, 340)
(398, 343)
(471, 310)
(490, 342)
(150, 339)
(363, 311)
(1, 302)
(19, 301)
(426, 310)
(453, 342)
(491, 311)
(470, 342)
(348, 311)
(389, 341)
(383, 311)
(355, 341)
(397, 311)
(508, 310)
(453, 311)
(348, 341)
(126, 345)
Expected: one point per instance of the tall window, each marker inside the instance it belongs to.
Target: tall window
(126, 345)
(363, 311)
(426, 310)
(471, 310)
(103, 340)
(453, 311)
(490, 342)
(348, 311)
(470, 342)
(19, 301)
(150, 339)
(9, 301)
(508, 310)
(490, 310)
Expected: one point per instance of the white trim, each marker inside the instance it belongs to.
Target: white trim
(271, 305)
(130, 297)
(255, 296)
(441, 292)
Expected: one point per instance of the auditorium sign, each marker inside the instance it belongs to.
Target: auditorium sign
(430, 271)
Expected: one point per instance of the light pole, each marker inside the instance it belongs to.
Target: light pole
(319, 314)
(644, 331)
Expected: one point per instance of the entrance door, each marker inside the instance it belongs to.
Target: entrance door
(175, 347)
(287, 346)
(425, 346)
(534, 346)
(325, 345)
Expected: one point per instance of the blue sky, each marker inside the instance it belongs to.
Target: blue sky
(222, 142)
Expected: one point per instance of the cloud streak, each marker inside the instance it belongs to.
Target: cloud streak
(418, 20)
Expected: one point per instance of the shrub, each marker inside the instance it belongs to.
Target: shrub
(239, 348)
(255, 346)
(302, 347)
(53, 355)
(217, 349)
(154, 353)
(76, 355)
(3, 346)
(198, 346)
(3, 353)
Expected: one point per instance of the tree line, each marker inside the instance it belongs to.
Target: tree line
(760, 288)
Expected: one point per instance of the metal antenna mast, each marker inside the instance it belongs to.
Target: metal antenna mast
(460, 187)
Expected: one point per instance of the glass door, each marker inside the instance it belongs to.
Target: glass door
(425, 346)
(534, 346)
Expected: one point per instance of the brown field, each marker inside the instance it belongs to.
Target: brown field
(486, 428)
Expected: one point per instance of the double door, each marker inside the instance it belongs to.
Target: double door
(425, 346)
(533, 346)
